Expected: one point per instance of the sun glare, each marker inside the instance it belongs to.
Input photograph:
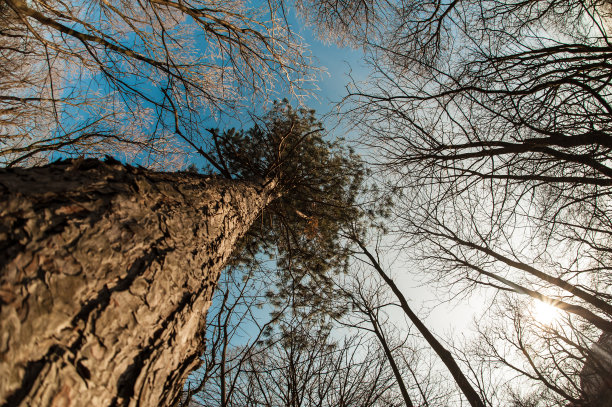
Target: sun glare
(545, 313)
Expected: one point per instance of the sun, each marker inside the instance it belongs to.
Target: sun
(545, 312)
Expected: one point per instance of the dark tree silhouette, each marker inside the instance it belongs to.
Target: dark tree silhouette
(491, 123)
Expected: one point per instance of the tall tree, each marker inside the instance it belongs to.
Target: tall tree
(107, 270)
(409, 355)
(446, 357)
(492, 124)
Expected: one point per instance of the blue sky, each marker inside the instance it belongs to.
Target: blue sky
(338, 62)
(335, 62)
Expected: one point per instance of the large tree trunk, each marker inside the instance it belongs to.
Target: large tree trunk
(106, 275)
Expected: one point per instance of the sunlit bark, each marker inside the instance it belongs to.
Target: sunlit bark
(106, 275)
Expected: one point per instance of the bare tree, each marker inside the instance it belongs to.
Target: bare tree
(284, 358)
(136, 78)
(415, 367)
(238, 321)
(304, 366)
(559, 358)
(346, 22)
(463, 382)
(490, 122)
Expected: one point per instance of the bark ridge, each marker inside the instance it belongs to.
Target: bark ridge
(106, 273)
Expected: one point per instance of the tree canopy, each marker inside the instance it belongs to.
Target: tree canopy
(491, 123)
(486, 121)
(90, 77)
(319, 183)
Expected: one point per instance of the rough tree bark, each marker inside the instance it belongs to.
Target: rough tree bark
(106, 275)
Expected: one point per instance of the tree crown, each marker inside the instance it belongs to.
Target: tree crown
(318, 184)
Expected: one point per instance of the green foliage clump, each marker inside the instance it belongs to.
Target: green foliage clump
(318, 183)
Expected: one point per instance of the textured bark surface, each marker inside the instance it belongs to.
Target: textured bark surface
(106, 276)
(596, 375)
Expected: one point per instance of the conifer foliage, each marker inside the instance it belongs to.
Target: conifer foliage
(319, 182)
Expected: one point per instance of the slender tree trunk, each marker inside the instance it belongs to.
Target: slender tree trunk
(445, 356)
(106, 274)
(396, 372)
